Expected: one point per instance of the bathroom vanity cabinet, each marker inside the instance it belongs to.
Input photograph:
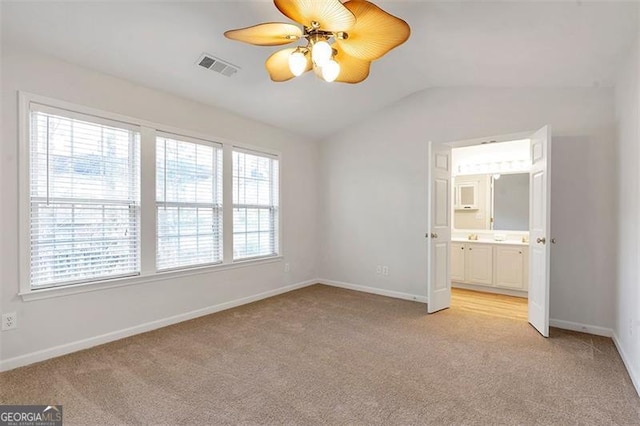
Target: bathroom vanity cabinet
(501, 267)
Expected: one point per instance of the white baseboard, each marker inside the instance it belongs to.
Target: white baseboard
(487, 289)
(635, 378)
(583, 328)
(67, 348)
(42, 355)
(374, 290)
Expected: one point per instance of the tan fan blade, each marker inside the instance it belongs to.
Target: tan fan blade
(330, 14)
(352, 70)
(269, 34)
(278, 65)
(375, 33)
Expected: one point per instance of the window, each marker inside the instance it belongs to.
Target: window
(255, 205)
(189, 203)
(107, 199)
(84, 198)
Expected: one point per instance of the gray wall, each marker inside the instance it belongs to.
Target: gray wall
(374, 178)
(46, 324)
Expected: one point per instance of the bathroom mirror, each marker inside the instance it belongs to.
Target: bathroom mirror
(500, 202)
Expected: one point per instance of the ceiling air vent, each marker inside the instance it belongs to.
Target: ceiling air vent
(218, 65)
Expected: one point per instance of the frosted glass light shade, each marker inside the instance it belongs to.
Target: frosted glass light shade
(321, 53)
(330, 70)
(297, 63)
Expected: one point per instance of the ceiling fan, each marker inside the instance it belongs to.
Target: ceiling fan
(342, 39)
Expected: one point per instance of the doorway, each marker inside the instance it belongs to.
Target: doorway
(489, 221)
(490, 304)
(490, 226)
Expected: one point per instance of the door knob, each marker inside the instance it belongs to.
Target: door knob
(434, 235)
(553, 241)
(541, 240)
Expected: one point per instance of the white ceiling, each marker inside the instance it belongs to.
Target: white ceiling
(497, 44)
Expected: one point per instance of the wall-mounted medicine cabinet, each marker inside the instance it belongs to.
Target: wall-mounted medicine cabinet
(466, 196)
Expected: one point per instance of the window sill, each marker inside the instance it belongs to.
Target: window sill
(47, 293)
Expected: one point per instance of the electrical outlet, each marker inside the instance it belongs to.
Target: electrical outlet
(9, 321)
(287, 267)
(385, 270)
(378, 269)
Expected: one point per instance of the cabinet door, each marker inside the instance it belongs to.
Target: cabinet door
(466, 196)
(479, 264)
(510, 266)
(457, 262)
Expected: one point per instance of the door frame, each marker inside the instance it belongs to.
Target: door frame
(507, 137)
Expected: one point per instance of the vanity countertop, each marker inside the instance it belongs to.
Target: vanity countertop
(487, 241)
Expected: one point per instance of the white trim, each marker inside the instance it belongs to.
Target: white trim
(78, 345)
(24, 193)
(496, 138)
(74, 114)
(186, 138)
(147, 194)
(260, 152)
(487, 289)
(66, 290)
(227, 203)
(374, 290)
(626, 360)
(582, 328)
(280, 233)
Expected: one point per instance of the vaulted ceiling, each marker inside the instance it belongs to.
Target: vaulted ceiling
(488, 44)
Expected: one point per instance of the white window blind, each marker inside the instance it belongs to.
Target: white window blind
(255, 205)
(189, 202)
(84, 198)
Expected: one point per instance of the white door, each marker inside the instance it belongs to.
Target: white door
(539, 224)
(439, 228)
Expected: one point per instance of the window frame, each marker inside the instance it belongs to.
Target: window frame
(147, 251)
(165, 203)
(277, 208)
(73, 201)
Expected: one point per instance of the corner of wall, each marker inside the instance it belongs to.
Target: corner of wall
(626, 330)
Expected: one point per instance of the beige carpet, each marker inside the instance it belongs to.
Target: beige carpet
(323, 355)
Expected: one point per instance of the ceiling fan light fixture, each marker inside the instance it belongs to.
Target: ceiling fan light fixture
(357, 32)
(297, 62)
(321, 53)
(330, 71)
